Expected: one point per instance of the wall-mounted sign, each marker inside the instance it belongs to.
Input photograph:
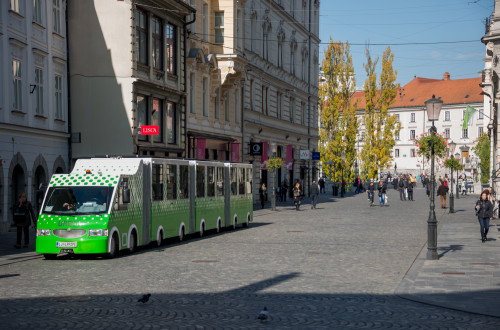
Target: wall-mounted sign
(305, 154)
(255, 148)
(150, 130)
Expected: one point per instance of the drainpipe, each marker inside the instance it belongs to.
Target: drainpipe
(70, 148)
(309, 173)
(186, 142)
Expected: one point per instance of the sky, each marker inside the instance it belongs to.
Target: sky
(453, 27)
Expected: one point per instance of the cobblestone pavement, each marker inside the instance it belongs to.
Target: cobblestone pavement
(337, 266)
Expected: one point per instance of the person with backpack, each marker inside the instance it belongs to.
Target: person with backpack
(24, 216)
(484, 212)
(401, 185)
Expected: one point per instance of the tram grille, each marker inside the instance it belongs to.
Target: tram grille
(73, 233)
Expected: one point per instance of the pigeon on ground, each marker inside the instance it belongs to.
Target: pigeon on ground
(144, 298)
(263, 315)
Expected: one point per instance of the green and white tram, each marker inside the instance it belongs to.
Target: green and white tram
(110, 204)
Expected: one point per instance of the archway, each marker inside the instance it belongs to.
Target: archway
(18, 183)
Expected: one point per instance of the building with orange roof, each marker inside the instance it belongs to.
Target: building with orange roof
(410, 109)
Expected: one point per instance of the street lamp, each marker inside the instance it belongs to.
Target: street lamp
(457, 156)
(452, 146)
(433, 109)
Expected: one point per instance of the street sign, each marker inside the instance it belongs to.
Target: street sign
(316, 156)
(305, 154)
(150, 130)
(256, 148)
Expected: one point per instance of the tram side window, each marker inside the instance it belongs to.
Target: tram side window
(241, 181)
(157, 182)
(249, 181)
(183, 181)
(200, 181)
(171, 173)
(210, 181)
(118, 205)
(220, 181)
(234, 175)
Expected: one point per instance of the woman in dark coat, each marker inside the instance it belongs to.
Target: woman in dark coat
(24, 216)
(263, 194)
(484, 211)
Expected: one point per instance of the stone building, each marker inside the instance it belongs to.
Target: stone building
(409, 107)
(33, 93)
(127, 70)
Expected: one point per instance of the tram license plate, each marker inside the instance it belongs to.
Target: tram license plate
(66, 244)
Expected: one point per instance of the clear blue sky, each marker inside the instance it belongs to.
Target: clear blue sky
(393, 22)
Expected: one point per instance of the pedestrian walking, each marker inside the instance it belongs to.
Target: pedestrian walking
(284, 189)
(297, 192)
(382, 190)
(371, 192)
(314, 194)
(410, 190)
(484, 212)
(24, 217)
(401, 186)
(321, 185)
(441, 192)
(263, 194)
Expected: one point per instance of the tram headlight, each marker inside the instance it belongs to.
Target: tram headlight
(43, 232)
(98, 232)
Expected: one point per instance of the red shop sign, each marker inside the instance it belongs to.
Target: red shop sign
(150, 130)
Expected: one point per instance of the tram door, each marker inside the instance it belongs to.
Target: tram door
(192, 196)
(146, 202)
(227, 195)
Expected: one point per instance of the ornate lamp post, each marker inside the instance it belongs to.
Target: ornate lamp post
(452, 146)
(457, 157)
(433, 109)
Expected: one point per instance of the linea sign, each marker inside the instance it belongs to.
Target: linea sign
(150, 130)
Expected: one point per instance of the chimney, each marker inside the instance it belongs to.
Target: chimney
(446, 76)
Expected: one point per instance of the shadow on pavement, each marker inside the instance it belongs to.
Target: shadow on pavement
(452, 248)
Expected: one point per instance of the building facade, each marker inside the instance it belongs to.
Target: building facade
(127, 70)
(280, 96)
(409, 108)
(490, 86)
(33, 93)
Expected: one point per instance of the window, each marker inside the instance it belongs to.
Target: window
(142, 114)
(239, 28)
(265, 47)
(446, 116)
(292, 62)
(157, 38)
(171, 48)
(362, 135)
(249, 181)
(250, 96)
(481, 113)
(183, 181)
(204, 20)
(412, 134)
(14, 6)
(220, 181)
(56, 14)
(58, 97)
(192, 93)
(304, 68)
(171, 123)
(157, 177)
(278, 105)
(142, 36)
(37, 11)
(241, 181)
(39, 91)
(234, 181)
(200, 181)
(264, 100)
(237, 112)
(226, 108)
(219, 27)
(447, 133)
(210, 181)
(292, 109)
(303, 113)
(18, 82)
(397, 117)
(192, 27)
(280, 54)
(396, 136)
(465, 133)
(412, 118)
(217, 106)
(157, 119)
(412, 153)
(480, 131)
(204, 104)
(171, 174)
(396, 153)
(463, 114)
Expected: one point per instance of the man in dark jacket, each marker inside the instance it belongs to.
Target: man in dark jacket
(441, 192)
(24, 216)
(409, 188)
(401, 189)
(371, 192)
(314, 194)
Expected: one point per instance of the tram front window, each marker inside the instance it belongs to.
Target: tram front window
(77, 200)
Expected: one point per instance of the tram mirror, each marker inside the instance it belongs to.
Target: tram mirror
(126, 195)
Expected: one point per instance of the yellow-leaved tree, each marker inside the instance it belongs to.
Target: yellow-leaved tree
(380, 126)
(338, 114)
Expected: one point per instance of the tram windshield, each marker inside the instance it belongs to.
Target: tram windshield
(77, 200)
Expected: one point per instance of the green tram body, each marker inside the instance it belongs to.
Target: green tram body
(122, 203)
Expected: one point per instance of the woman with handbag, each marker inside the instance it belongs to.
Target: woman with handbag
(23, 217)
(484, 212)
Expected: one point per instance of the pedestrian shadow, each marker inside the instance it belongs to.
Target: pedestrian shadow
(451, 248)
